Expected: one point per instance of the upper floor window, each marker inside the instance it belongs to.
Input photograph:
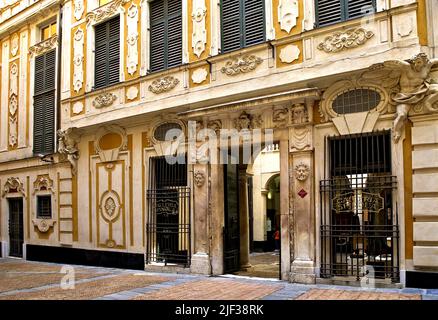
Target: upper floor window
(44, 207)
(165, 34)
(107, 53)
(44, 103)
(243, 23)
(48, 31)
(356, 100)
(333, 11)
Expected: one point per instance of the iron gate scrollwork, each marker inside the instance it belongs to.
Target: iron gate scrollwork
(359, 220)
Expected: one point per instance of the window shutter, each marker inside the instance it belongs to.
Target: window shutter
(254, 19)
(166, 34)
(107, 53)
(329, 11)
(359, 8)
(44, 103)
(231, 25)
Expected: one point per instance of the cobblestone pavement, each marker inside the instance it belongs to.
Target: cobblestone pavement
(26, 280)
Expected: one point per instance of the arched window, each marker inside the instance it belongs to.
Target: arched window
(356, 100)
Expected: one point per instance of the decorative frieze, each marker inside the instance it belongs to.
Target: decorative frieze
(132, 39)
(241, 65)
(199, 35)
(104, 100)
(163, 84)
(348, 39)
(288, 14)
(44, 46)
(78, 60)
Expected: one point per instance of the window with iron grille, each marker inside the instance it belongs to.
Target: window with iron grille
(165, 34)
(243, 23)
(333, 11)
(44, 207)
(44, 104)
(107, 53)
(356, 100)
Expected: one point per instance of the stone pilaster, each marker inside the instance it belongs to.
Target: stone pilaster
(244, 219)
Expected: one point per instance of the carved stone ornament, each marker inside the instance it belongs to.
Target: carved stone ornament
(300, 138)
(105, 11)
(280, 117)
(347, 39)
(300, 114)
(44, 46)
(78, 107)
(248, 122)
(199, 178)
(163, 84)
(13, 185)
(110, 155)
(78, 9)
(132, 93)
(78, 60)
(241, 65)
(104, 100)
(110, 206)
(43, 225)
(132, 56)
(199, 35)
(43, 183)
(302, 172)
(14, 45)
(289, 53)
(13, 105)
(288, 14)
(199, 75)
(68, 145)
(215, 125)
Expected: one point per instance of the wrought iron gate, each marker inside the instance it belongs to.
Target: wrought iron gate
(232, 221)
(359, 221)
(168, 214)
(16, 227)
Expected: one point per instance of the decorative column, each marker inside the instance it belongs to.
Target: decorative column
(302, 193)
(244, 219)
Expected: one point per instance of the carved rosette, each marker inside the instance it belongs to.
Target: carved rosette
(132, 21)
(347, 39)
(199, 178)
(78, 60)
(288, 14)
(163, 84)
(241, 65)
(13, 185)
(13, 105)
(199, 35)
(44, 46)
(104, 100)
(78, 9)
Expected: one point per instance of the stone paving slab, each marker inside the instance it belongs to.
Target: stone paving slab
(322, 294)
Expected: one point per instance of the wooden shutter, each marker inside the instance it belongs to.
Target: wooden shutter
(166, 34)
(254, 22)
(359, 8)
(44, 103)
(329, 12)
(243, 23)
(107, 53)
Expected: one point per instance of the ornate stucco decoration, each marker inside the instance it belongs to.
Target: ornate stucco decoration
(215, 125)
(43, 183)
(199, 178)
(302, 172)
(347, 39)
(413, 86)
(13, 105)
(199, 35)
(14, 45)
(78, 107)
(300, 138)
(248, 122)
(78, 60)
(289, 53)
(78, 9)
(199, 75)
(104, 100)
(132, 56)
(280, 117)
(13, 185)
(163, 84)
(44, 46)
(105, 11)
(110, 206)
(241, 65)
(288, 14)
(300, 114)
(68, 145)
(112, 153)
(43, 225)
(132, 93)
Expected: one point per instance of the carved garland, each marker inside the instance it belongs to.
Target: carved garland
(163, 84)
(241, 65)
(347, 39)
(104, 100)
(199, 35)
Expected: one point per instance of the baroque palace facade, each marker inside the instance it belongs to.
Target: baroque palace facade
(90, 87)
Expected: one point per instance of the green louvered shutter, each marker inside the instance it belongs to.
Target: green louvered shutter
(243, 23)
(107, 53)
(44, 103)
(329, 12)
(359, 8)
(165, 34)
